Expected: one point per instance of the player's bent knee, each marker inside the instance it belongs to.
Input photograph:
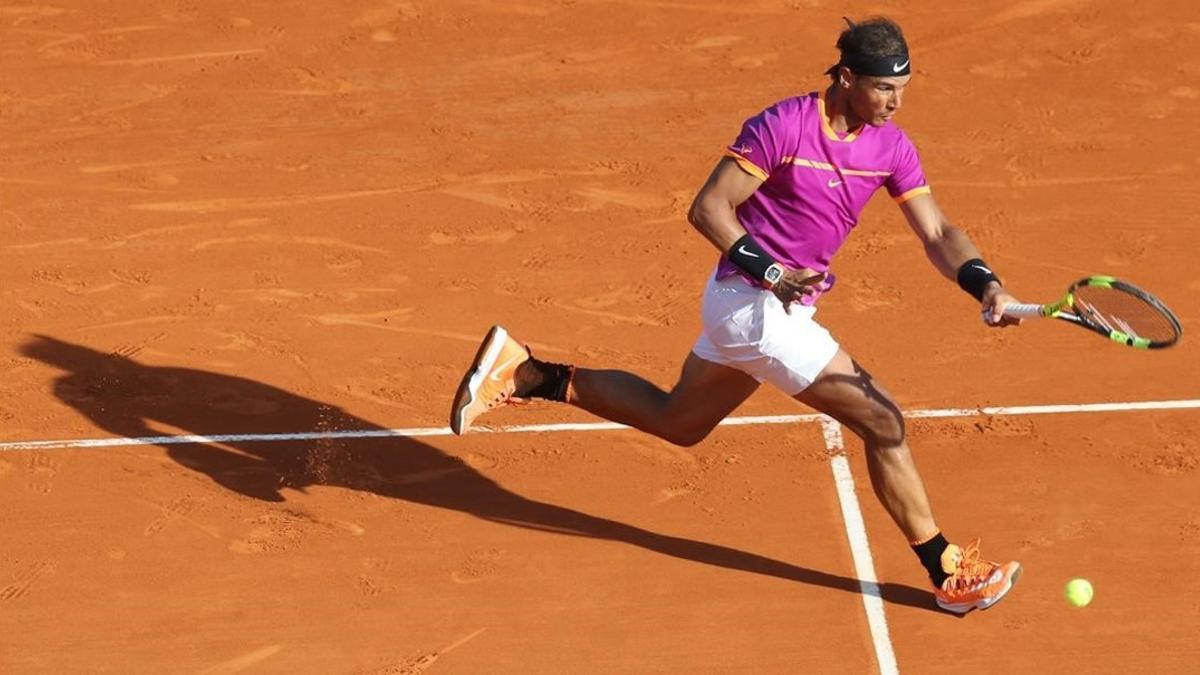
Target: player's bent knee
(883, 428)
(686, 440)
(888, 431)
(688, 437)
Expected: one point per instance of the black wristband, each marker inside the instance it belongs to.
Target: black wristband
(974, 276)
(750, 257)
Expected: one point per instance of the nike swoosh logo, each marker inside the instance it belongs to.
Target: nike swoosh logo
(899, 67)
(743, 251)
(981, 267)
(503, 366)
(834, 183)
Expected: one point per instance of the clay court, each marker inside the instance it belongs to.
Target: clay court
(281, 229)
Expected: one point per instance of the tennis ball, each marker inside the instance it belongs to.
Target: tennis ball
(1079, 592)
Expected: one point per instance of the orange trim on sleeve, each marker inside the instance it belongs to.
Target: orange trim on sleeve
(917, 191)
(748, 166)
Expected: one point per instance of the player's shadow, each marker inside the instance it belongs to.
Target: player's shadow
(124, 398)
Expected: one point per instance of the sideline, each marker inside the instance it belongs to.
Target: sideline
(860, 548)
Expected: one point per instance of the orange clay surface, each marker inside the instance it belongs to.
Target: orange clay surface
(222, 217)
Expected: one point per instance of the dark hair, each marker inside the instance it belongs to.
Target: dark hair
(875, 37)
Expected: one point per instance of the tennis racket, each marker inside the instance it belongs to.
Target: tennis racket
(1116, 309)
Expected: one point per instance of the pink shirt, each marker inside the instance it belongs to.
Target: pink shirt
(816, 182)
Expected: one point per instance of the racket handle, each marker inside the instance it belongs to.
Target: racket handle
(1021, 310)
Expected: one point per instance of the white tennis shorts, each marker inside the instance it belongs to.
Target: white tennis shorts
(747, 328)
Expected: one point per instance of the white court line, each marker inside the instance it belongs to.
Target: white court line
(860, 549)
(578, 426)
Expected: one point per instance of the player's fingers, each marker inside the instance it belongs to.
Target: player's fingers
(995, 313)
(784, 298)
(814, 279)
(1001, 320)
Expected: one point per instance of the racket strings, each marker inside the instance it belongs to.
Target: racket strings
(1115, 309)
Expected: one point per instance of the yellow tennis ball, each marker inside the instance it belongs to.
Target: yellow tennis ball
(1079, 592)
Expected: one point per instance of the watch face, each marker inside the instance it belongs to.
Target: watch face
(773, 274)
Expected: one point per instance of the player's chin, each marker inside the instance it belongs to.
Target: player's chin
(881, 120)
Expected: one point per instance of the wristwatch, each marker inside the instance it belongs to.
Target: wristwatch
(773, 274)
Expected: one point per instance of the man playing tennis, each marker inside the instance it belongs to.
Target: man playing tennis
(778, 206)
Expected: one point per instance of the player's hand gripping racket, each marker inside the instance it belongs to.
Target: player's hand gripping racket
(1118, 310)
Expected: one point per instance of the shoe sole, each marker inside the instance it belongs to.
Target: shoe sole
(986, 602)
(485, 358)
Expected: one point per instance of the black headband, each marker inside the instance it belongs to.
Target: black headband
(896, 65)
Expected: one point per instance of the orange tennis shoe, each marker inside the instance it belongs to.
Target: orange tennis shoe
(490, 381)
(973, 582)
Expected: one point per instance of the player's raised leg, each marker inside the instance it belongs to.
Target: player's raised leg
(848, 393)
(504, 371)
(704, 395)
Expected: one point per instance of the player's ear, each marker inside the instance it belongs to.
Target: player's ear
(845, 77)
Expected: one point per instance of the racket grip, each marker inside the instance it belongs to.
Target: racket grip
(1021, 310)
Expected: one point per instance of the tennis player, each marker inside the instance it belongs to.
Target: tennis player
(778, 206)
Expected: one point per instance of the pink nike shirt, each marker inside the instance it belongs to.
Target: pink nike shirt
(816, 181)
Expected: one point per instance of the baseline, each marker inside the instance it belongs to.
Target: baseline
(579, 426)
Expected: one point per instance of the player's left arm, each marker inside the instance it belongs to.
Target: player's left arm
(949, 249)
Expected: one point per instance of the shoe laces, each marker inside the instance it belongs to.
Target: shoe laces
(503, 397)
(971, 570)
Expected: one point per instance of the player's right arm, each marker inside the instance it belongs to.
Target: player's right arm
(714, 211)
(714, 215)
